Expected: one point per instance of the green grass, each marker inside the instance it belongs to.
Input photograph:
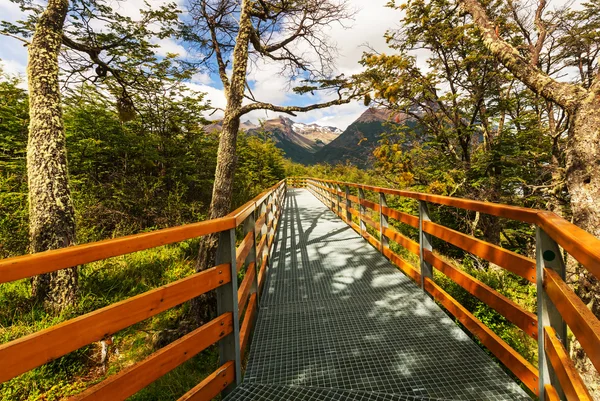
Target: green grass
(103, 283)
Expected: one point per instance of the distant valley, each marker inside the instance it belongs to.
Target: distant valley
(313, 143)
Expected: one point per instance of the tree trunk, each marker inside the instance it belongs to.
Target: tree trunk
(51, 213)
(204, 307)
(583, 182)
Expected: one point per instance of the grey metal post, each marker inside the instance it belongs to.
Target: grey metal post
(229, 346)
(250, 227)
(348, 206)
(383, 222)
(339, 199)
(424, 243)
(548, 254)
(361, 211)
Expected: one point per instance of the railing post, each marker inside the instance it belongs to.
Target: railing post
(424, 243)
(348, 206)
(229, 346)
(361, 212)
(250, 227)
(383, 222)
(339, 199)
(548, 254)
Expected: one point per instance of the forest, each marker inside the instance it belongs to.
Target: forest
(103, 136)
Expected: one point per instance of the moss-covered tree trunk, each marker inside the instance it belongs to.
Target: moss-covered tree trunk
(51, 214)
(583, 154)
(203, 308)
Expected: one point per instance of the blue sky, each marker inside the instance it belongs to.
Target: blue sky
(370, 23)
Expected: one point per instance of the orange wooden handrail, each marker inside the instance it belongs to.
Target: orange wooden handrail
(36, 349)
(580, 244)
(134, 378)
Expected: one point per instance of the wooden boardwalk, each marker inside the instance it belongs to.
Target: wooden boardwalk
(337, 321)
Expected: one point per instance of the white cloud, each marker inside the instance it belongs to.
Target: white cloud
(169, 45)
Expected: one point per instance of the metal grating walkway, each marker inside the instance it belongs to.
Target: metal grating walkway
(337, 321)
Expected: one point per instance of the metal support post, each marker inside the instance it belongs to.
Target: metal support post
(229, 346)
(250, 227)
(424, 243)
(548, 255)
(348, 206)
(383, 223)
(362, 211)
(339, 199)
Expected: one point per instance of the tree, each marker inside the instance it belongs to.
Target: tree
(582, 103)
(270, 31)
(127, 54)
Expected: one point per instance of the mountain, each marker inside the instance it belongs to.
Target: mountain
(356, 144)
(298, 141)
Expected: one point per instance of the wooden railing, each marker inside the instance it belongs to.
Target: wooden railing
(557, 305)
(257, 218)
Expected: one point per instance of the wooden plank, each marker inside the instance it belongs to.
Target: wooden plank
(244, 289)
(403, 265)
(46, 345)
(401, 216)
(525, 320)
(409, 244)
(262, 272)
(370, 222)
(246, 327)
(508, 356)
(372, 240)
(580, 244)
(518, 264)
(576, 314)
(565, 370)
(354, 212)
(243, 250)
(370, 205)
(261, 245)
(44, 262)
(353, 198)
(260, 221)
(550, 393)
(212, 386)
(134, 378)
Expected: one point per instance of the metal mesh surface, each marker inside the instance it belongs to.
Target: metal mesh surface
(337, 320)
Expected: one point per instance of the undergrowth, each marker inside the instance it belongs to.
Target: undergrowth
(103, 283)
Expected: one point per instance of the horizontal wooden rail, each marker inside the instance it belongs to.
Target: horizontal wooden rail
(212, 385)
(36, 349)
(371, 205)
(247, 323)
(512, 212)
(509, 357)
(370, 222)
(132, 379)
(244, 289)
(550, 393)
(44, 262)
(525, 320)
(243, 250)
(406, 267)
(576, 314)
(511, 261)
(580, 244)
(401, 216)
(564, 368)
(407, 243)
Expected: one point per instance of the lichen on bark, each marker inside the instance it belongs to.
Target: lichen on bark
(52, 217)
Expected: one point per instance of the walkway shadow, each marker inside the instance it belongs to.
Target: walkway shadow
(336, 314)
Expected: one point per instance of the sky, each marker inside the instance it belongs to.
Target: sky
(371, 21)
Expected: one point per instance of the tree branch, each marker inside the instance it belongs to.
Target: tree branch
(564, 94)
(292, 109)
